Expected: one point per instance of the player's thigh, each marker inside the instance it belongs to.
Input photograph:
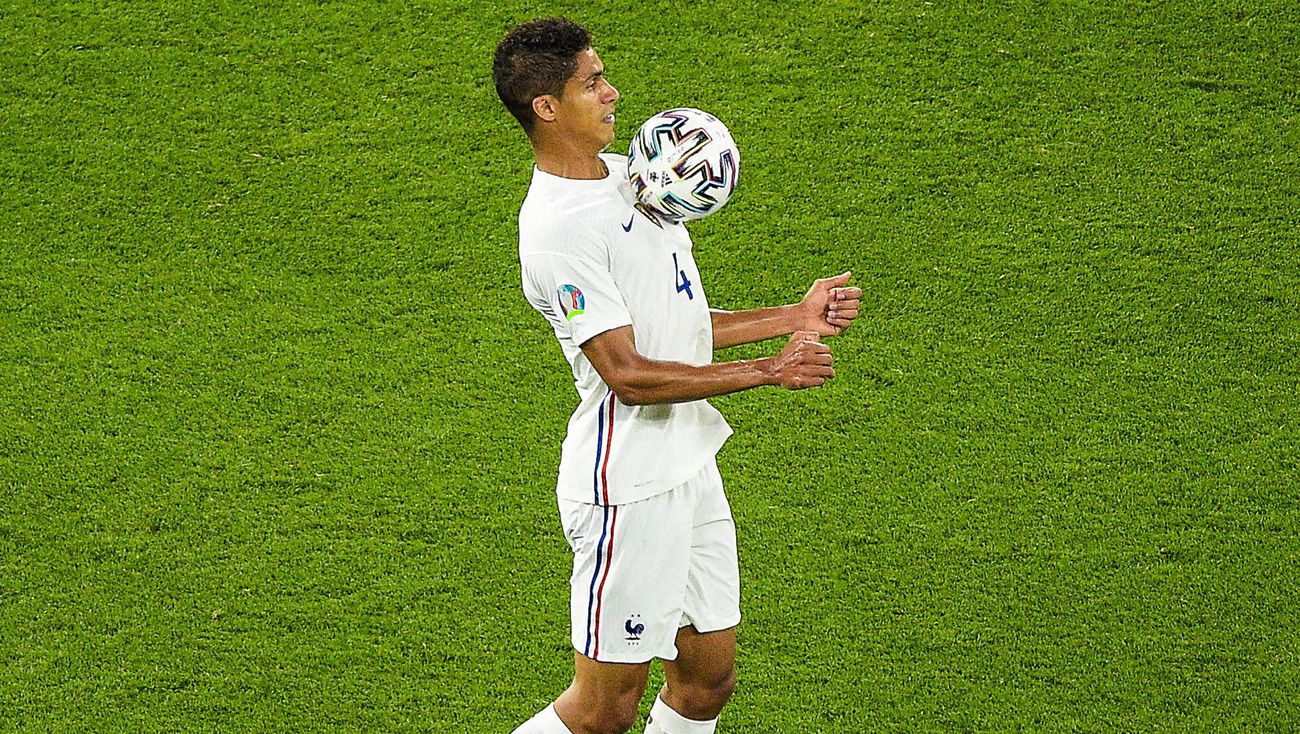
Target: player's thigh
(704, 659)
(603, 696)
(613, 680)
(700, 681)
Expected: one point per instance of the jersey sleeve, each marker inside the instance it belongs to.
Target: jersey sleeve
(576, 294)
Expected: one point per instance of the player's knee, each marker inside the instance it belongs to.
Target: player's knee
(615, 719)
(704, 699)
(616, 715)
(720, 692)
(623, 717)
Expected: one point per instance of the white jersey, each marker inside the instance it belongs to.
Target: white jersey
(591, 263)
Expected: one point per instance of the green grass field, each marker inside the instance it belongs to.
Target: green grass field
(278, 431)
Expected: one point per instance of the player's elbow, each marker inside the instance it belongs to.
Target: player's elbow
(631, 387)
(635, 380)
(631, 394)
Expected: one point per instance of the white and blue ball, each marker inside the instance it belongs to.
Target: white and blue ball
(683, 164)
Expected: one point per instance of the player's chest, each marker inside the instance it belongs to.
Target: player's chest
(656, 273)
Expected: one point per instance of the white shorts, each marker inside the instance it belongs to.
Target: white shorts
(643, 570)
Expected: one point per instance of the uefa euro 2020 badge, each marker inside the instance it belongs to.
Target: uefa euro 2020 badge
(571, 301)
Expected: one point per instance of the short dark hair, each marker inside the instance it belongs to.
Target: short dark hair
(537, 58)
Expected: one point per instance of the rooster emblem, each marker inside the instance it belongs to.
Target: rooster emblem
(634, 630)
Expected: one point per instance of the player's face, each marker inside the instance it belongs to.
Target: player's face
(587, 108)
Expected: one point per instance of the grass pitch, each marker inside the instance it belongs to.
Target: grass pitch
(277, 429)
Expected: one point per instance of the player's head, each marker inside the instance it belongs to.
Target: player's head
(538, 60)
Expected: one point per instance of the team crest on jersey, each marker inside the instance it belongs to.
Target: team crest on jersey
(572, 301)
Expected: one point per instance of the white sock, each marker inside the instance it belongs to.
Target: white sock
(545, 722)
(663, 720)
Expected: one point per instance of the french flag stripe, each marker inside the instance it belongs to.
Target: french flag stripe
(600, 450)
(609, 446)
(591, 594)
(605, 550)
(611, 515)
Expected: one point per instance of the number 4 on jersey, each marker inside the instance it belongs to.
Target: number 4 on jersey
(683, 282)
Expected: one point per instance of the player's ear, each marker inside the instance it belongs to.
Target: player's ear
(545, 106)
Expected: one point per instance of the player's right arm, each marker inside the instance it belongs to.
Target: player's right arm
(640, 380)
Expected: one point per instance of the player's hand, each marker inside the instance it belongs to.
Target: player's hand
(830, 306)
(805, 362)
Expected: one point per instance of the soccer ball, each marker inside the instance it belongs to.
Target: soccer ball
(683, 164)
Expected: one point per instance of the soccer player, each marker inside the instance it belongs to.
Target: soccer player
(655, 573)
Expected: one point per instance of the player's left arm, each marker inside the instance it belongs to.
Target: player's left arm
(828, 308)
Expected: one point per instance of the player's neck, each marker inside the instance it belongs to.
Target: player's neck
(568, 163)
